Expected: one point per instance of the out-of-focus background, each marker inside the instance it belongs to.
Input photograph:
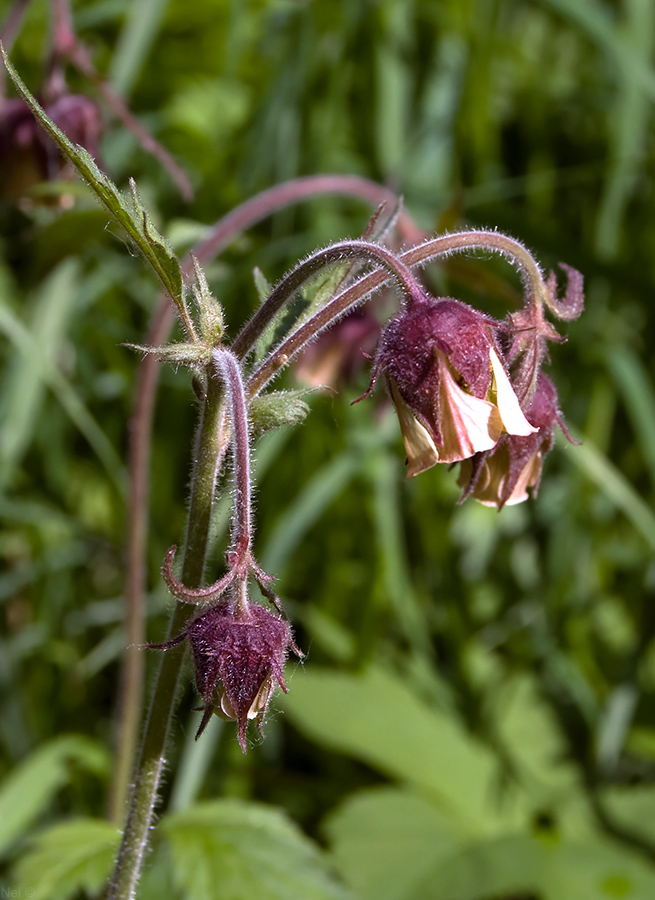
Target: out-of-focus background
(475, 714)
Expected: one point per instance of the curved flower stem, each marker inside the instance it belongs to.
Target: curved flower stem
(209, 450)
(511, 249)
(344, 250)
(239, 552)
(355, 294)
(295, 191)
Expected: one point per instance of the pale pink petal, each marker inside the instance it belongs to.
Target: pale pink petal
(511, 414)
(469, 425)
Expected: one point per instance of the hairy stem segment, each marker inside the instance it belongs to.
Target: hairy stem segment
(230, 371)
(344, 250)
(536, 292)
(209, 451)
(240, 560)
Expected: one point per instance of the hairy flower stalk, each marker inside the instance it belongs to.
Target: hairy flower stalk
(538, 293)
(339, 252)
(150, 764)
(239, 648)
(239, 556)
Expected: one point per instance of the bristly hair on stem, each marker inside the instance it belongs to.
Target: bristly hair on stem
(335, 253)
(230, 371)
(240, 560)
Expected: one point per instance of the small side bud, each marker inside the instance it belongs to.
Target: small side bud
(210, 313)
(276, 409)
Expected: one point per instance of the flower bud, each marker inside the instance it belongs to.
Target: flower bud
(452, 394)
(503, 476)
(238, 661)
(28, 156)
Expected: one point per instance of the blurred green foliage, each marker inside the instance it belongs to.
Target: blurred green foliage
(475, 717)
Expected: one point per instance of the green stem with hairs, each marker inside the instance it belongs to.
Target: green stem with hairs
(209, 451)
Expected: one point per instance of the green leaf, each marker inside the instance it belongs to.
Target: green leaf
(387, 841)
(142, 22)
(374, 717)
(635, 383)
(321, 289)
(532, 738)
(307, 507)
(393, 565)
(315, 293)
(38, 348)
(178, 354)
(230, 850)
(159, 255)
(262, 284)
(131, 215)
(28, 790)
(392, 845)
(68, 858)
(551, 867)
(632, 808)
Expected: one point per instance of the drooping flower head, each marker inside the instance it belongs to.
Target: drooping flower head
(238, 661)
(447, 380)
(503, 476)
(339, 354)
(28, 156)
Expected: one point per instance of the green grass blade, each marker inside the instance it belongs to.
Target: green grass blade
(310, 503)
(142, 21)
(34, 370)
(635, 385)
(615, 486)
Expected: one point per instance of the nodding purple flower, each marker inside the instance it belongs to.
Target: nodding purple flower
(448, 382)
(338, 355)
(27, 154)
(238, 661)
(504, 475)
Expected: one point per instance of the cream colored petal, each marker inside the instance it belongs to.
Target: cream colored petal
(490, 479)
(514, 422)
(421, 451)
(262, 698)
(469, 425)
(227, 708)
